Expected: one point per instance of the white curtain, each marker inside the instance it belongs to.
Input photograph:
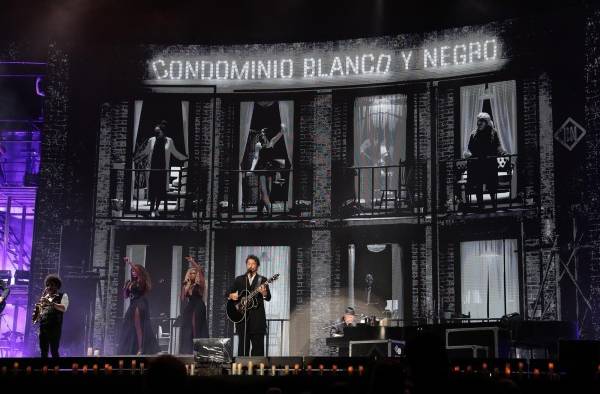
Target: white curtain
(246, 110)
(503, 100)
(137, 254)
(471, 104)
(137, 113)
(273, 260)
(489, 278)
(379, 140)
(397, 306)
(286, 112)
(185, 112)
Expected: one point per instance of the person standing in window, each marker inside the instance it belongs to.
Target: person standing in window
(194, 313)
(482, 167)
(158, 151)
(137, 335)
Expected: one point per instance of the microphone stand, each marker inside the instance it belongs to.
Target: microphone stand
(246, 317)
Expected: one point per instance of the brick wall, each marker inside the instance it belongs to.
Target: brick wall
(592, 160)
(50, 205)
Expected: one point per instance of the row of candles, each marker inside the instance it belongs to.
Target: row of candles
(508, 370)
(250, 369)
(95, 368)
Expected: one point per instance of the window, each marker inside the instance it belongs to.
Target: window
(379, 148)
(273, 260)
(159, 180)
(265, 156)
(375, 279)
(499, 100)
(489, 278)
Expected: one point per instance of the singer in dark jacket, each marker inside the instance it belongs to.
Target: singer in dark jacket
(252, 329)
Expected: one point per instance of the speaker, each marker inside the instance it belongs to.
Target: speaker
(377, 348)
(213, 350)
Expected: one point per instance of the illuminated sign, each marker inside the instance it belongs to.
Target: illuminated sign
(297, 65)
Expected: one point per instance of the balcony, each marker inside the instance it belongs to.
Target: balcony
(382, 191)
(130, 194)
(465, 188)
(289, 192)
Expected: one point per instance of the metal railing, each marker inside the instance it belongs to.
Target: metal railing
(466, 187)
(289, 194)
(391, 190)
(131, 193)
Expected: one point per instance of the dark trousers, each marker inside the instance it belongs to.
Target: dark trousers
(256, 340)
(49, 338)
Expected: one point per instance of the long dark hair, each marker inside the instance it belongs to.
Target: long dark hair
(143, 278)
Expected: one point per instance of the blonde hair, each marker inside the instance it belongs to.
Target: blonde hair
(189, 273)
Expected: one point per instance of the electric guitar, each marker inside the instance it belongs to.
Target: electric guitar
(236, 310)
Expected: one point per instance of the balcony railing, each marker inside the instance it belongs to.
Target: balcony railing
(466, 186)
(265, 194)
(130, 194)
(393, 190)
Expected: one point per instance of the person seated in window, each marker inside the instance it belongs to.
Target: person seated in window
(482, 167)
(158, 151)
(347, 320)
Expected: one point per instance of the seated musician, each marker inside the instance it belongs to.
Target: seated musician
(347, 320)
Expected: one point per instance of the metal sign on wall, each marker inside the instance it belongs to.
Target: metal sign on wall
(569, 133)
(327, 64)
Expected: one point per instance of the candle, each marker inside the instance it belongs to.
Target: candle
(250, 367)
(142, 365)
(44, 370)
(108, 369)
(56, 369)
(456, 369)
(240, 369)
(90, 351)
(350, 370)
(309, 369)
(95, 368)
(16, 365)
(273, 370)
(233, 368)
(75, 367)
(121, 364)
(191, 368)
(296, 369)
(286, 370)
(361, 370)
(96, 352)
(28, 370)
(261, 370)
(507, 370)
(334, 368)
(321, 369)
(85, 369)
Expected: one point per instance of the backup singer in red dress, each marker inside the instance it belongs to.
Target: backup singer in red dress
(137, 335)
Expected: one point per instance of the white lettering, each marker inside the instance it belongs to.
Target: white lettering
(428, 58)
(443, 55)
(191, 69)
(371, 68)
(290, 68)
(352, 65)
(337, 66)
(309, 67)
(236, 73)
(264, 70)
(406, 58)
(473, 51)
(460, 58)
(380, 61)
(155, 65)
(202, 69)
(486, 55)
(179, 64)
